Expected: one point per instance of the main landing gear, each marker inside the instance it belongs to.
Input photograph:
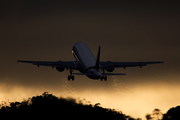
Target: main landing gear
(103, 77)
(71, 76)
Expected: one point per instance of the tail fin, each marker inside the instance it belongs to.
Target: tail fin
(98, 58)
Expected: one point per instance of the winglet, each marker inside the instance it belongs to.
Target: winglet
(98, 57)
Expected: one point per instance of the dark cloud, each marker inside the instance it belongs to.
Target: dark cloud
(139, 32)
(34, 8)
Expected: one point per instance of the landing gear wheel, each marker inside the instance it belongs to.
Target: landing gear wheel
(70, 77)
(105, 78)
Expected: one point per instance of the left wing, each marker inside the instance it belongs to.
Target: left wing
(111, 65)
(69, 64)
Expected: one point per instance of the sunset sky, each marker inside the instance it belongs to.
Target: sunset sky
(127, 31)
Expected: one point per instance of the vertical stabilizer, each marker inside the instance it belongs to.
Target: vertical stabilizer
(98, 58)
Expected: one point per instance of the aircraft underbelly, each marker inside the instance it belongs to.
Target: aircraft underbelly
(93, 77)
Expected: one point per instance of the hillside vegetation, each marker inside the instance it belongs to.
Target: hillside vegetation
(48, 106)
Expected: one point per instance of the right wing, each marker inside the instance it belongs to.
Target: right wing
(111, 65)
(66, 64)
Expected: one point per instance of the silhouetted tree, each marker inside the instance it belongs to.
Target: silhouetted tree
(48, 106)
(148, 116)
(156, 115)
(172, 114)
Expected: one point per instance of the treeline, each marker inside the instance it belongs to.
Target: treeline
(48, 106)
(172, 114)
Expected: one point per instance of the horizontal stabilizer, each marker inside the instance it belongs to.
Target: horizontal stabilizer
(104, 74)
(113, 74)
(81, 73)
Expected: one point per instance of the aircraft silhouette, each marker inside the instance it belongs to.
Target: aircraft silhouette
(87, 64)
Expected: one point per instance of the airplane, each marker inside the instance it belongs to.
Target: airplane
(87, 64)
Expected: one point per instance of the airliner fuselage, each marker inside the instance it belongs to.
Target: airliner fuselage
(84, 56)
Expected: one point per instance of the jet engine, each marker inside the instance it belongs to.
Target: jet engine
(110, 70)
(60, 69)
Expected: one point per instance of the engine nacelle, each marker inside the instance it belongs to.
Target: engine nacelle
(110, 70)
(60, 69)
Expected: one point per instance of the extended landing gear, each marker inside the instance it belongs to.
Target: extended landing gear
(71, 76)
(104, 77)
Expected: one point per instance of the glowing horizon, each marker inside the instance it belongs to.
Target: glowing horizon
(135, 101)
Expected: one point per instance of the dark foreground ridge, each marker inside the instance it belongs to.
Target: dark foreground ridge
(172, 114)
(48, 106)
